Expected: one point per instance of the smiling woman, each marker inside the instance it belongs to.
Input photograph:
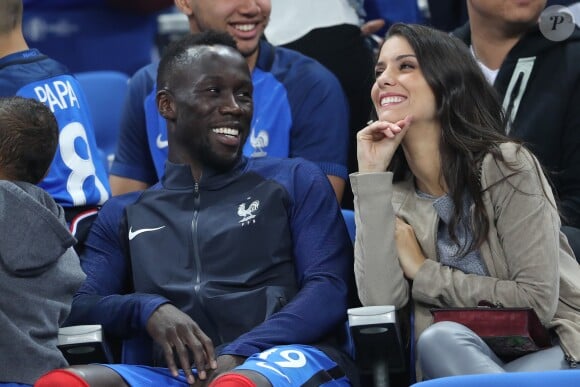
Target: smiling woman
(451, 212)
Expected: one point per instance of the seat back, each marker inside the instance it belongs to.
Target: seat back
(89, 37)
(562, 378)
(106, 92)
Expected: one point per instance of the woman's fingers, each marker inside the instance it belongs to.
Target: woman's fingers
(378, 130)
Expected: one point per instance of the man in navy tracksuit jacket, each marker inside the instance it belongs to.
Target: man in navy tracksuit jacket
(251, 254)
(538, 80)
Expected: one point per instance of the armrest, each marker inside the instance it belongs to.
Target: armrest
(83, 344)
(377, 338)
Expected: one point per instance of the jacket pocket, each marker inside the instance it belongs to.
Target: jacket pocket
(236, 313)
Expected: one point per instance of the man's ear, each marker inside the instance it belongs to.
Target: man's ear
(165, 104)
(184, 6)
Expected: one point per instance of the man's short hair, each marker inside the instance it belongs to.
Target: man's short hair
(176, 51)
(28, 139)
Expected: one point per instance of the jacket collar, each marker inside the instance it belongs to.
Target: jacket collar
(21, 57)
(266, 56)
(178, 176)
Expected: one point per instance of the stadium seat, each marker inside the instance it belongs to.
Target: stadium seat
(567, 378)
(105, 92)
(90, 36)
(349, 220)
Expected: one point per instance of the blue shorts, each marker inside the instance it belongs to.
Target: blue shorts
(287, 365)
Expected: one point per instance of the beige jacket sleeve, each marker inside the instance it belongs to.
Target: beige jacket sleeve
(522, 251)
(379, 277)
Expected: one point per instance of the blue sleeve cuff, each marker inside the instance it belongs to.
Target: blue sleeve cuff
(333, 169)
(150, 307)
(239, 349)
(135, 173)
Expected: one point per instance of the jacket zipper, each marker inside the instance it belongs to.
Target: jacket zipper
(197, 257)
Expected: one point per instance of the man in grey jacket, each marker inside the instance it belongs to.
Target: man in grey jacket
(39, 270)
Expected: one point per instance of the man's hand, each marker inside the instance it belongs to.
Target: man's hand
(371, 27)
(411, 256)
(177, 333)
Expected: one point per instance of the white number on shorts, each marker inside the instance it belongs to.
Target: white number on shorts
(293, 358)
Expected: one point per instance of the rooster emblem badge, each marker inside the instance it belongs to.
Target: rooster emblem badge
(259, 142)
(247, 213)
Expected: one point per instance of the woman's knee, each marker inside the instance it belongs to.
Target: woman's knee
(435, 336)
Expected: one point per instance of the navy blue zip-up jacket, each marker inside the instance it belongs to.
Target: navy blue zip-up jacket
(258, 256)
(539, 83)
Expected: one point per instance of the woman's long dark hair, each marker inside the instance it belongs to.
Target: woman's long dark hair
(471, 118)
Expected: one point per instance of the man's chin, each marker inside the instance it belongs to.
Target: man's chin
(223, 164)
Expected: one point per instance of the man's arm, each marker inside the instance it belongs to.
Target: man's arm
(121, 185)
(321, 117)
(105, 298)
(133, 166)
(337, 185)
(323, 254)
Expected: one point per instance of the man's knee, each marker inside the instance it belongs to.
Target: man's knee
(65, 377)
(81, 376)
(241, 378)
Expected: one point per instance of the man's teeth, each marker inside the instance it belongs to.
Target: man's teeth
(388, 100)
(227, 131)
(245, 27)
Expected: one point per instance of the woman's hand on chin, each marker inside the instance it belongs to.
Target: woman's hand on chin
(377, 143)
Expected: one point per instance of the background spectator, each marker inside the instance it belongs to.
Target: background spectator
(538, 80)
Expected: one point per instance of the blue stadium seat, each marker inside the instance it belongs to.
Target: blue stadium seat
(90, 36)
(105, 92)
(349, 220)
(567, 378)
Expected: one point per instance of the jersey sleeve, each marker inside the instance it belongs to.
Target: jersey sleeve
(133, 158)
(321, 117)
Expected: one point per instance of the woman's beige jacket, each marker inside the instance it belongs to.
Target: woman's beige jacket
(528, 258)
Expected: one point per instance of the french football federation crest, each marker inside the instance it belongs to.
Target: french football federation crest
(259, 142)
(248, 213)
